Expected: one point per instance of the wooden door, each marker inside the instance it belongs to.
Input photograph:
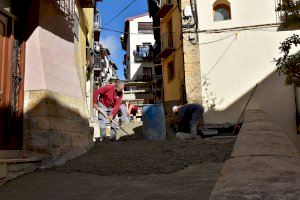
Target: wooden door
(5, 77)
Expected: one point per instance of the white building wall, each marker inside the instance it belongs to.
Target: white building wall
(243, 13)
(138, 39)
(233, 62)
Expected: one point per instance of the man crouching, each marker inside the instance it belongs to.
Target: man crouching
(190, 117)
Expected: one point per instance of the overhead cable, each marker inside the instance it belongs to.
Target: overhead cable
(223, 54)
(117, 15)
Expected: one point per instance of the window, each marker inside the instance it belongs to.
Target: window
(222, 10)
(171, 71)
(145, 27)
(147, 74)
(143, 52)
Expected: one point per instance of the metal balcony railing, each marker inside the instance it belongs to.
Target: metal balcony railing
(143, 77)
(67, 7)
(167, 45)
(143, 54)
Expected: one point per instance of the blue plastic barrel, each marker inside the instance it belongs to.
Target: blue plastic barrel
(154, 127)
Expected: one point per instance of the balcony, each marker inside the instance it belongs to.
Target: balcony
(165, 7)
(143, 78)
(143, 53)
(88, 3)
(167, 46)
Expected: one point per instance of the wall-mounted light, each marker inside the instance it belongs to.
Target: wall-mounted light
(97, 48)
(187, 13)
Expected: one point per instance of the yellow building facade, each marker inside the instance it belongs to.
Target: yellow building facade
(172, 54)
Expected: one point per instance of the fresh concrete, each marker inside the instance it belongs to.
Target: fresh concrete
(130, 169)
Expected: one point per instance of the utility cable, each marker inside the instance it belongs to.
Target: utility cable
(237, 123)
(117, 15)
(223, 54)
(213, 41)
(116, 31)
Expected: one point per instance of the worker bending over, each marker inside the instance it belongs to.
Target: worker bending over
(190, 116)
(108, 99)
(127, 109)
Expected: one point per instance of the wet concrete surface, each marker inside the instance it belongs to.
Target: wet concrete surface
(131, 168)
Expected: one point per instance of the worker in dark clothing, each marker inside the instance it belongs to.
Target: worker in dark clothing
(190, 116)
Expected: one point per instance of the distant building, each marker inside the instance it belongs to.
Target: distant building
(138, 41)
(104, 68)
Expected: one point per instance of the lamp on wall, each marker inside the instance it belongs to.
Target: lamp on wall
(97, 48)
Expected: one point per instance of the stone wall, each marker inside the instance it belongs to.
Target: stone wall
(56, 125)
(263, 165)
(192, 72)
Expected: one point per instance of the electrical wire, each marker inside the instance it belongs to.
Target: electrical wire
(213, 41)
(223, 54)
(117, 15)
(116, 31)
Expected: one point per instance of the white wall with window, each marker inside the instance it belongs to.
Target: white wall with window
(236, 12)
(233, 61)
(140, 41)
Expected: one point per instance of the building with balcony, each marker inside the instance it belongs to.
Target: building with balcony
(168, 50)
(104, 68)
(44, 99)
(138, 41)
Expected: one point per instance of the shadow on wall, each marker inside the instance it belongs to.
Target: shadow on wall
(271, 95)
(56, 130)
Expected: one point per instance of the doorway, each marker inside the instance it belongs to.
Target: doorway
(10, 129)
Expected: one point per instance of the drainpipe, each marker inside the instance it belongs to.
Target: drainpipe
(297, 109)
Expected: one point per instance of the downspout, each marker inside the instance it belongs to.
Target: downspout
(195, 13)
(297, 109)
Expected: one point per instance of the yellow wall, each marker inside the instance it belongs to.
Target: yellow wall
(173, 88)
(85, 32)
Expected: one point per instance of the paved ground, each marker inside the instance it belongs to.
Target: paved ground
(130, 169)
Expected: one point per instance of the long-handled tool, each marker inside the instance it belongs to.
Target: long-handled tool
(105, 115)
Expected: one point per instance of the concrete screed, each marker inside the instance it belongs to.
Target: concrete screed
(131, 168)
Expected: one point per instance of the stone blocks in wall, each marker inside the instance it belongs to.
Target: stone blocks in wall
(263, 165)
(55, 124)
(191, 61)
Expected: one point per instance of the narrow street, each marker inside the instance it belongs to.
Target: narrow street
(130, 169)
(149, 100)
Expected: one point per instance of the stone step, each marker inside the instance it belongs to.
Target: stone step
(14, 163)
(4, 154)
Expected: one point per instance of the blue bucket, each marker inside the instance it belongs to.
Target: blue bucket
(154, 128)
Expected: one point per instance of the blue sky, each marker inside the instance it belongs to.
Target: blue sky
(111, 40)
